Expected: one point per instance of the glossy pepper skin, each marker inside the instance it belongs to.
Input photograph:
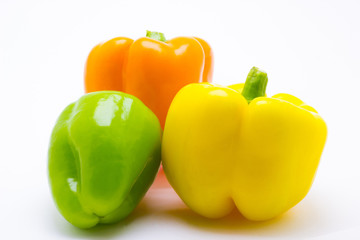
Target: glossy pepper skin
(150, 68)
(104, 154)
(220, 152)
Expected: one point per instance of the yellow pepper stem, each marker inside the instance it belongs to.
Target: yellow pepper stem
(156, 35)
(255, 85)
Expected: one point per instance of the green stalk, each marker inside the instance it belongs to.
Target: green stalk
(255, 85)
(156, 35)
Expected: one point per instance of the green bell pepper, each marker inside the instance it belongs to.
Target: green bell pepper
(104, 154)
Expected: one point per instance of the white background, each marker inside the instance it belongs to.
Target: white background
(309, 48)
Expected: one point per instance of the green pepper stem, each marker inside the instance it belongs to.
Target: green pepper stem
(156, 35)
(255, 84)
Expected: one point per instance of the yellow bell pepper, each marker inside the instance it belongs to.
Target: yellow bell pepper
(223, 149)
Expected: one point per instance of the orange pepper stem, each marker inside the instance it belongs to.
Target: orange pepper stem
(156, 35)
(255, 85)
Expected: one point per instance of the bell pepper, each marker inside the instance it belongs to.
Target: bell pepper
(104, 154)
(232, 147)
(150, 68)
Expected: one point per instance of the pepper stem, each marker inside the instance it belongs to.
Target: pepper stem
(156, 35)
(255, 84)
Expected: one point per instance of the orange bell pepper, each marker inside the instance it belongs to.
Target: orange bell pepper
(150, 68)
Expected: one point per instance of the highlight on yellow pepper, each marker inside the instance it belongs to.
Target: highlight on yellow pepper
(232, 147)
